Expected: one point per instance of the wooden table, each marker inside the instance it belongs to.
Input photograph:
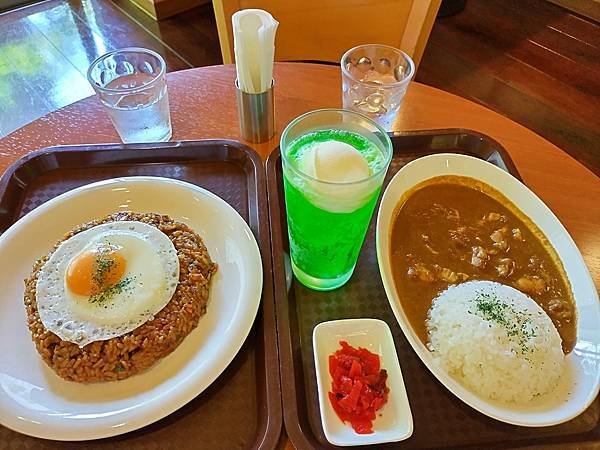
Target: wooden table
(203, 106)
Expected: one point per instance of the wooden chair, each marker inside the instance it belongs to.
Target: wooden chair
(322, 30)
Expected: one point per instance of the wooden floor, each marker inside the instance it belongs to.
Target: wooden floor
(527, 59)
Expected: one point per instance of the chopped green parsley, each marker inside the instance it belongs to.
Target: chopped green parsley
(518, 324)
(102, 266)
(125, 285)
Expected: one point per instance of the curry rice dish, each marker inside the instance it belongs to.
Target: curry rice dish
(453, 229)
(128, 354)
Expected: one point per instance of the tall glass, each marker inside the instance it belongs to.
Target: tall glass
(374, 81)
(130, 83)
(327, 221)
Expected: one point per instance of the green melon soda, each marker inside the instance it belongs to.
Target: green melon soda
(332, 179)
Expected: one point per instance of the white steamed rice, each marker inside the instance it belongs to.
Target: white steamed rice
(496, 340)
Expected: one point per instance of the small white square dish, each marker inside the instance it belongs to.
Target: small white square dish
(394, 421)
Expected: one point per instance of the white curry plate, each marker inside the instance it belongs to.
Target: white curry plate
(579, 384)
(35, 401)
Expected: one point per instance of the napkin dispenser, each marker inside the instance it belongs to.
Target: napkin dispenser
(254, 47)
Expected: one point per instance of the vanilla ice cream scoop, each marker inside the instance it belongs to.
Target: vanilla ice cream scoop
(334, 162)
(341, 176)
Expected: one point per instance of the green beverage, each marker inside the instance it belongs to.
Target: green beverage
(332, 177)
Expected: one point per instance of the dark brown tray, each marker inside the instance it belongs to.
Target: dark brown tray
(242, 408)
(440, 419)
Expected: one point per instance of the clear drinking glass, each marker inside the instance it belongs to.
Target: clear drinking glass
(374, 81)
(327, 221)
(130, 82)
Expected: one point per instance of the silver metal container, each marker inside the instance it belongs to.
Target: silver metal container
(256, 114)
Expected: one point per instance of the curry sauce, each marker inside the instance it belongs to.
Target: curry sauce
(452, 229)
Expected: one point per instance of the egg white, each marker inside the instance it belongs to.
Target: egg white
(152, 268)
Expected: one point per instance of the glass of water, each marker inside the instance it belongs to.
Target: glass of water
(374, 81)
(130, 82)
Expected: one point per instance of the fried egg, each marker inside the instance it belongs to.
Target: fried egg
(106, 281)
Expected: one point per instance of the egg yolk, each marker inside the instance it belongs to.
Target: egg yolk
(95, 271)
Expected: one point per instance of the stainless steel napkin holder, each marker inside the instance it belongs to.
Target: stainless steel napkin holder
(256, 114)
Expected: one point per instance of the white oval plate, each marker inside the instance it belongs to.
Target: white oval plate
(35, 401)
(394, 422)
(580, 382)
